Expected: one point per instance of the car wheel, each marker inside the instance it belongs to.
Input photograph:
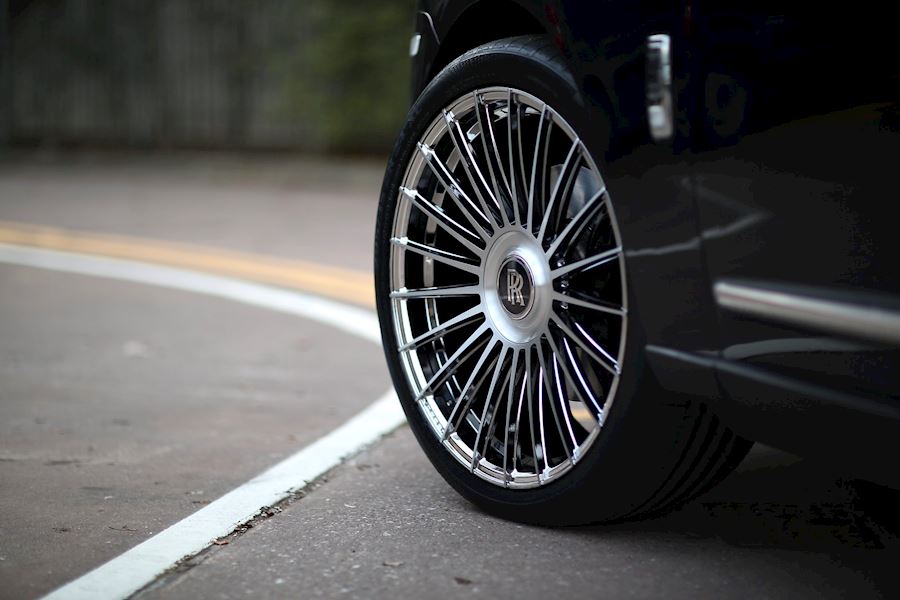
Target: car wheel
(502, 293)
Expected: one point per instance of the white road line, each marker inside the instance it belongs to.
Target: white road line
(355, 321)
(126, 574)
(131, 571)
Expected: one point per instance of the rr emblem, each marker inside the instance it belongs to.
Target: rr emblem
(514, 284)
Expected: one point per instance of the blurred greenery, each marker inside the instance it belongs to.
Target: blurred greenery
(311, 75)
(355, 72)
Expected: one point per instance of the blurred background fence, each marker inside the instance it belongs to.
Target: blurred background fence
(308, 75)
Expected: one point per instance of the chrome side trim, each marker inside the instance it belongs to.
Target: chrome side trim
(855, 321)
(790, 346)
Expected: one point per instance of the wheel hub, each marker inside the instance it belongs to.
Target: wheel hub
(518, 287)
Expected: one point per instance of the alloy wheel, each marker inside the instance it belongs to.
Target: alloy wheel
(508, 296)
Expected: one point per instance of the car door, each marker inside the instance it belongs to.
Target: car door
(796, 141)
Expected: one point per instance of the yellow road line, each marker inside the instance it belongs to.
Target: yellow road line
(333, 282)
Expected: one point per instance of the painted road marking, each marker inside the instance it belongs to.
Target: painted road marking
(355, 321)
(333, 282)
(126, 574)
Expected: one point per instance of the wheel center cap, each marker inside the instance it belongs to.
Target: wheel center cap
(518, 289)
(515, 286)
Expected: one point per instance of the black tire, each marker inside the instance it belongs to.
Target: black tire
(653, 452)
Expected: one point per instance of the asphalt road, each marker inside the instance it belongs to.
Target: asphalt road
(126, 407)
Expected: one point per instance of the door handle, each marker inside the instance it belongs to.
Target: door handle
(659, 87)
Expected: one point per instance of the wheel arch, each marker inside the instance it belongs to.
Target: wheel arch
(481, 22)
(466, 25)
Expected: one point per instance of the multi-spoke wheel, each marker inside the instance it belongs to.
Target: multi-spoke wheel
(507, 287)
(502, 290)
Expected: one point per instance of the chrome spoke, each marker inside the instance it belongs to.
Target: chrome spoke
(470, 389)
(441, 256)
(548, 388)
(459, 197)
(460, 320)
(541, 387)
(514, 189)
(590, 305)
(578, 382)
(516, 174)
(498, 369)
(578, 222)
(492, 155)
(447, 291)
(459, 233)
(526, 381)
(566, 174)
(529, 390)
(587, 263)
(542, 132)
(563, 398)
(586, 342)
(476, 179)
(465, 350)
(586, 389)
(509, 403)
(598, 347)
(492, 428)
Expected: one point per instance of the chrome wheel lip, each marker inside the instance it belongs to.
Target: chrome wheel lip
(505, 238)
